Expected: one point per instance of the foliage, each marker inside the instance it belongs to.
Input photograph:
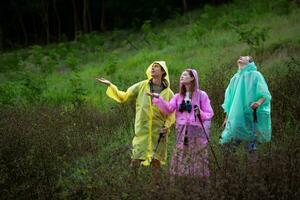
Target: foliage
(29, 89)
(253, 36)
(197, 31)
(38, 146)
(61, 137)
(111, 66)
(78, 92)
(151, 38)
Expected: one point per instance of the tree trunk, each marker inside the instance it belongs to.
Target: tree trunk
(47, 26)
(23, 30)
(1, 40)
(45, 18)
(184, 6)
(89, 17)
(75, 17)
(84, 16)
(58, 21)
(20, 19)
(35, 30)
(103, 24)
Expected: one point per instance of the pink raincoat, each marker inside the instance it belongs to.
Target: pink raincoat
(189, 158)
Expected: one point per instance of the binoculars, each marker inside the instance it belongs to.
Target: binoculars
(185, 106)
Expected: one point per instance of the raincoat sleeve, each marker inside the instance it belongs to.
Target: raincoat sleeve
(164, 106)
(206, 110)
(121, 96)
(228, 97)
(262, 89)
(170, 119)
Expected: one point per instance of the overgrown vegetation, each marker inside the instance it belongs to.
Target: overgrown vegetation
(61, 137)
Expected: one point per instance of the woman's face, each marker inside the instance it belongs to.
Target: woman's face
(186, 78)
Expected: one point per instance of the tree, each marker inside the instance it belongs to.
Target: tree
(184, 6)
(103, 17)
(1, 36)
(44, 15)
(87, 24)
(76, 19)
(19, 11)
(58, 20)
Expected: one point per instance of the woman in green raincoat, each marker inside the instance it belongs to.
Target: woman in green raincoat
(247, 108)
(149, 120)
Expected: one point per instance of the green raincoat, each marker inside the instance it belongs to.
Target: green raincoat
(148, 119)
(247, 86)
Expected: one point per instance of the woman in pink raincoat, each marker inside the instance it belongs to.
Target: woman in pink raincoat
(190, 155)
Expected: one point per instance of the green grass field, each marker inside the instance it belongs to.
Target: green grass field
(63, 138)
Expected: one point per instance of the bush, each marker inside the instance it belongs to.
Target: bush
(153, 39)
(78, 91)
(197, 31)
(110, 66)
(253, 36)
(10, 91)
(284, 85)
(38, 145)
(27, 90)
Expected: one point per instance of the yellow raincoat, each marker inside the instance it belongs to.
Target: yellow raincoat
(148, 119)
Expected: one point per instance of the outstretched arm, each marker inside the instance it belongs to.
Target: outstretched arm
(118, 95)
(164, 106)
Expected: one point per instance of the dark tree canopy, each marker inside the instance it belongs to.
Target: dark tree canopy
(24, 23)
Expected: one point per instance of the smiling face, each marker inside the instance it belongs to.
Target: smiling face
(157, 71)
(186, 78)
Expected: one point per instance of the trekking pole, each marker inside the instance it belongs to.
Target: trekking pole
(161, 135)
(196, 110)
(254, 121)
(254, 115)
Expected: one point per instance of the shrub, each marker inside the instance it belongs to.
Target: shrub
(253, 36)
(38, 145)
(78, 91)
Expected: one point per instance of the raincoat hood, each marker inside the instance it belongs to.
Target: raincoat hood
(164, 66)
(195, 74)
(249, 67)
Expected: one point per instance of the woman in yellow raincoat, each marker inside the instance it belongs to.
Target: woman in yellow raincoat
(149, 120)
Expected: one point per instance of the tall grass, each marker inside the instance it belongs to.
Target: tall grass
(203, 38)
(63, 138)
(40, 145)
(51, 152)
